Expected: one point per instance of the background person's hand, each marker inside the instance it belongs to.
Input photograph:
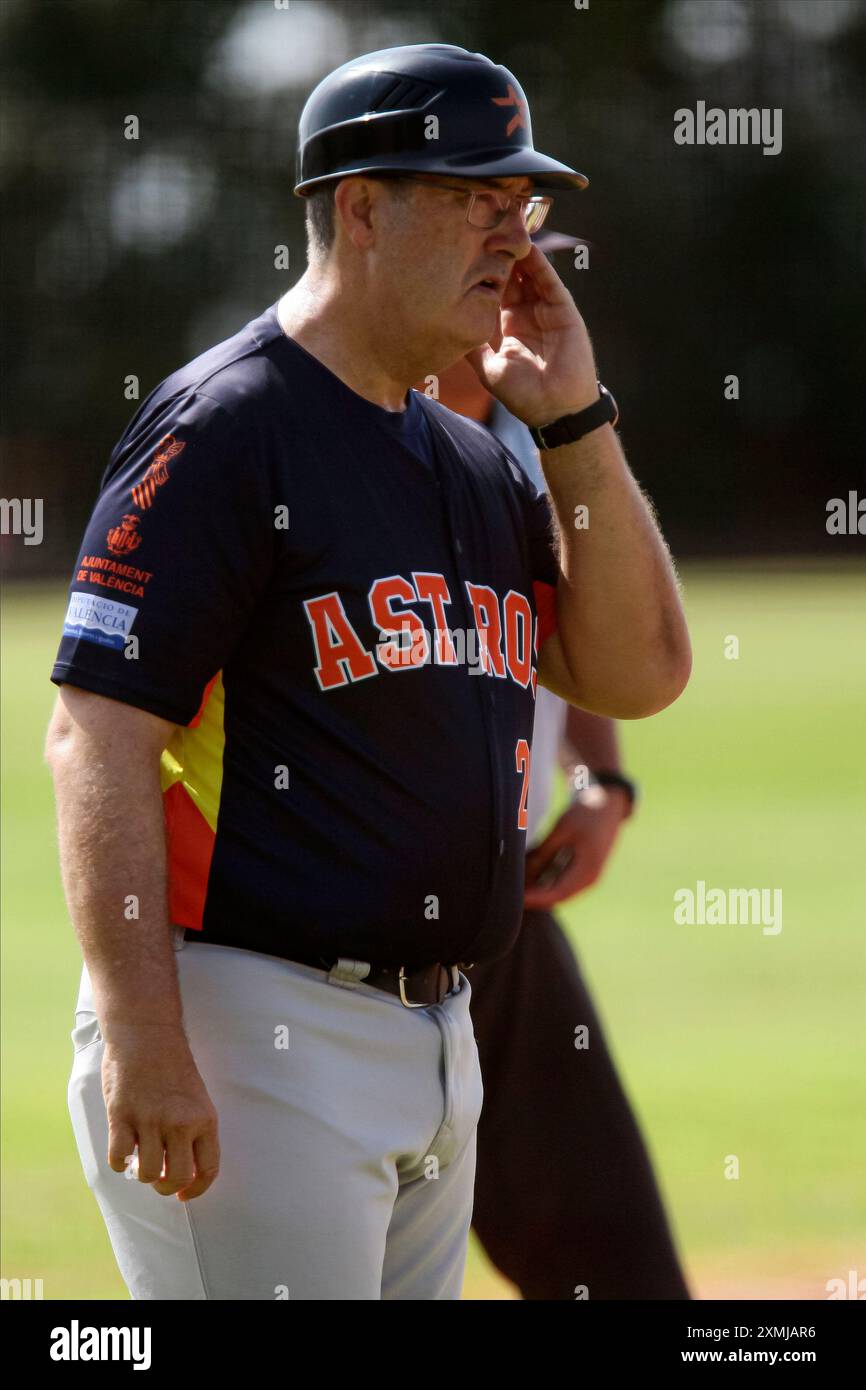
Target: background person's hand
(156, 1099)
(588, 829)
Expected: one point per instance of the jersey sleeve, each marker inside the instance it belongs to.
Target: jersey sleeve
(541, 533)
(174, 562)
(545, 561)
(541, 529)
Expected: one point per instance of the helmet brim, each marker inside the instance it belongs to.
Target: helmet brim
(478, 164)
(548, 241)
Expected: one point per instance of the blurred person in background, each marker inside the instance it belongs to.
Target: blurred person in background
(565, 1197)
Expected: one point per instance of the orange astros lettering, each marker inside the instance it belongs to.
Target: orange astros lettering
(340, 654)
(485, 610)
(507, 635)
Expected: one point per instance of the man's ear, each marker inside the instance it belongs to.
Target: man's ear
(353, 202)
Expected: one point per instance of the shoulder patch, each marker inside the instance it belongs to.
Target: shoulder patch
(96, 619)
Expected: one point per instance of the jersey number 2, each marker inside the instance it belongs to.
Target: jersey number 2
(521, 760)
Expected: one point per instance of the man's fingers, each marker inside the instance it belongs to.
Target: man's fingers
(559, 835)
(542, 899)
(206, 1150)
(150, 1155)
(167, 1187)
(200, 1185)
(547, 284)
(179, 1167)
(579, 875)
(514, 290)
(121, 1146)
(477, 360)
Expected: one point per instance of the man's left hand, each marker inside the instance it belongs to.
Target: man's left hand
(540, 363)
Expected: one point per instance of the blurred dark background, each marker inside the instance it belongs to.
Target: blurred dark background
(127, 257)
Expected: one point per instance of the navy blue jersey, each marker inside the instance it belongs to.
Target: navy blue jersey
(338, 606)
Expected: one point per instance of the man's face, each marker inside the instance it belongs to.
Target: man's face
(431, 262)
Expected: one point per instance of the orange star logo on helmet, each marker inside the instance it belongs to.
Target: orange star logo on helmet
(518, 120)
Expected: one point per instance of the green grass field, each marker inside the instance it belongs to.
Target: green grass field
(729, 1041)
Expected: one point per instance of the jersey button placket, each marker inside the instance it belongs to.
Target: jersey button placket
(488, 705)
(497, 843)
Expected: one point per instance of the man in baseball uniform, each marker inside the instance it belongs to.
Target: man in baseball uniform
(298, 672)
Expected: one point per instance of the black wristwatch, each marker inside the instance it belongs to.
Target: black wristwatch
(619, 781)
(568, 428)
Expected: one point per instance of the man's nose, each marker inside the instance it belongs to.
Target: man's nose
(511, 235)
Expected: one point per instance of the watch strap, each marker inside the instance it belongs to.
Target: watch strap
(604, 778)
(569, 428)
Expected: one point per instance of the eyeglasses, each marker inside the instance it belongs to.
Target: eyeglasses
(488, 207)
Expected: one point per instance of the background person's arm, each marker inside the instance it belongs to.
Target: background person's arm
(104, 756)
(586, 832)
(592, 741)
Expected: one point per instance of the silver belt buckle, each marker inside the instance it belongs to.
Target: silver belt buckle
(404, 999)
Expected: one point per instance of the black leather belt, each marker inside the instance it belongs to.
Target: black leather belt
(416, 989)
(419, 987)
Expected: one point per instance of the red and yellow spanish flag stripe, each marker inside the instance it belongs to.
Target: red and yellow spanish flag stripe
(191, 773)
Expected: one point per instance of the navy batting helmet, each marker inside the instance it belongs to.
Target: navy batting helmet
(426, 107)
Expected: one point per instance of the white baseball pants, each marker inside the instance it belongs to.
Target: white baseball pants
(347, 1133)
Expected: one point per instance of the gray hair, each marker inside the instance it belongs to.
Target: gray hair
(321, 215)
